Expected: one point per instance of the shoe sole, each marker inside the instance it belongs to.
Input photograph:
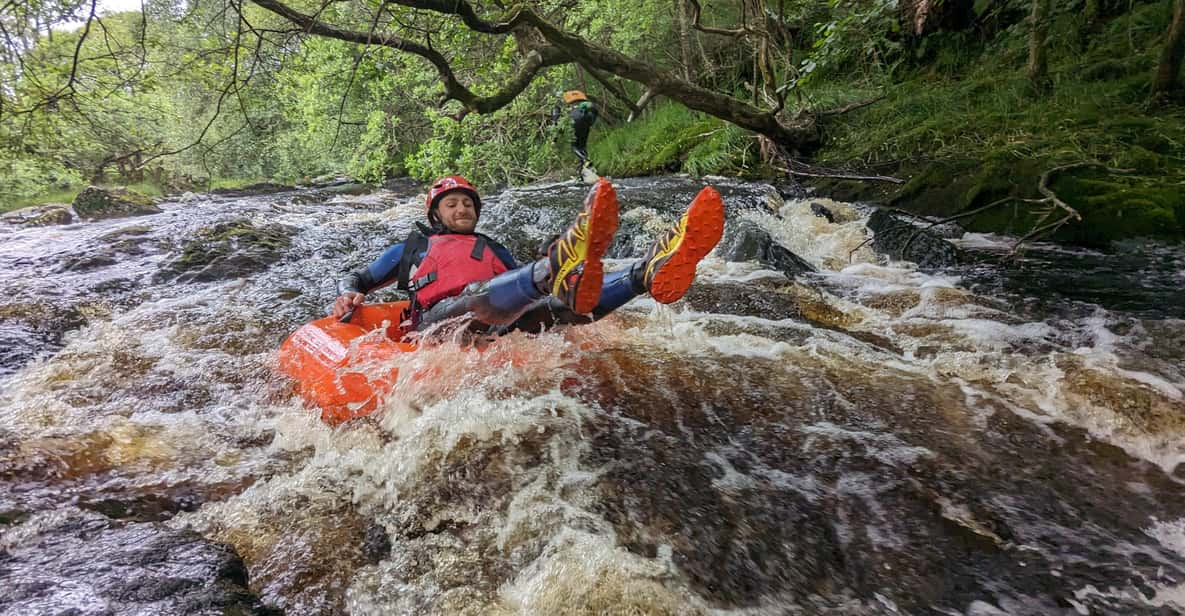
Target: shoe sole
(602, 224)
(703, 224)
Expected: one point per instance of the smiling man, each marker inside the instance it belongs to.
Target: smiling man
(451, 270)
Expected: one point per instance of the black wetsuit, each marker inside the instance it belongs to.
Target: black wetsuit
(584, 115)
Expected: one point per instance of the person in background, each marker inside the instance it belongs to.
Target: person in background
(584, 115)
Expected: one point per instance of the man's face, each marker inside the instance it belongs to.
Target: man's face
(457, 213)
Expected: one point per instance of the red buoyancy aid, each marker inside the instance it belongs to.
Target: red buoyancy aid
(453, 260)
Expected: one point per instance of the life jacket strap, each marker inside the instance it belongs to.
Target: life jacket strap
(423, 281)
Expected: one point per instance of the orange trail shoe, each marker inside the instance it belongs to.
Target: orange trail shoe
(670, 264)
(575, 270)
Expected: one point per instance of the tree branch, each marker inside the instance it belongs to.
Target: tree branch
(744, 30)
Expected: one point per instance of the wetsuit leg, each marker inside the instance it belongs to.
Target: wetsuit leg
(582, 121)
(511, 301)
(498, 301)
(619, 287)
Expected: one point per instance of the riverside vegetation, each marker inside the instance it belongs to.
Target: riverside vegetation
(975, 107)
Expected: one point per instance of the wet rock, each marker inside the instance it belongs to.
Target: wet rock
(376, 545)
(40, 215)
(764, 298)
(403, 186)
(818, 209)
(262, 188)
(348, 188)
(98, 203)
(229, 249)
(897, 238)
(51, 318)
(111, 248)
(750, 242)
(69, 561)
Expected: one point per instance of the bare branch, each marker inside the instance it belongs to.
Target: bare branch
(454, 90)
(613, 88)
(850, 107)
(744, 30)
(794, 167)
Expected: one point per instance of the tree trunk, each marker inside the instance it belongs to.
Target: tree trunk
(1168, 71)
(684, 34)
(1038, 33)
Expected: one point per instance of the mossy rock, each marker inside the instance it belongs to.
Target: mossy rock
(97, 203)
(1147, 203)
(41, 215)
(1141, 160)
(1115, 207)
(229, 249)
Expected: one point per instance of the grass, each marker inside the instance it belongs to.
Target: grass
(65, 195)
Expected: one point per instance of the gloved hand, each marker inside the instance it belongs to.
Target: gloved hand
(346, 302)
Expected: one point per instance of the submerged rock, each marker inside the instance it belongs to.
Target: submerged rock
(40, 215)
(69, 561)
(97, 203)
(820, 210)
(251, 190)
(229, 249)
(897, 238)
(751, 242)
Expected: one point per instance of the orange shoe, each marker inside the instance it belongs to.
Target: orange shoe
(574, 259)
(671, 262)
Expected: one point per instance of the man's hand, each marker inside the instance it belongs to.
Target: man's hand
(347, 302)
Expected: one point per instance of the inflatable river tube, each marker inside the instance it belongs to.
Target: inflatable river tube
(321, 357)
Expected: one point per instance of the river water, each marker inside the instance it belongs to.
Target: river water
(995, 438)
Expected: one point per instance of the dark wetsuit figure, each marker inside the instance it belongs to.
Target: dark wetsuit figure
(583, 115)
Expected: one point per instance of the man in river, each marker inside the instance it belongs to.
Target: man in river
(460, 272)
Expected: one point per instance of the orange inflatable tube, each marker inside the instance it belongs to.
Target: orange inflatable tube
(319, 354)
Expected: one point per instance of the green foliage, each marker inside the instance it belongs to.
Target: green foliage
(21, 178)
(670, 138)
(854, 35)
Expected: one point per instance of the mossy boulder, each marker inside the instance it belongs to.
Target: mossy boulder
(97, 203)
(229, 249)
(41, 215)
(1142, 195)
(1118, 206)
(898, 238)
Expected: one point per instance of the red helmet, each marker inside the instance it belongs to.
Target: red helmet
(447, 185)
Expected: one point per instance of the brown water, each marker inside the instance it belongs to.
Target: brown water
(867, 440)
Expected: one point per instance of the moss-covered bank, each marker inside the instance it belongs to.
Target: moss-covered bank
(972, 130)
(965, 127)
